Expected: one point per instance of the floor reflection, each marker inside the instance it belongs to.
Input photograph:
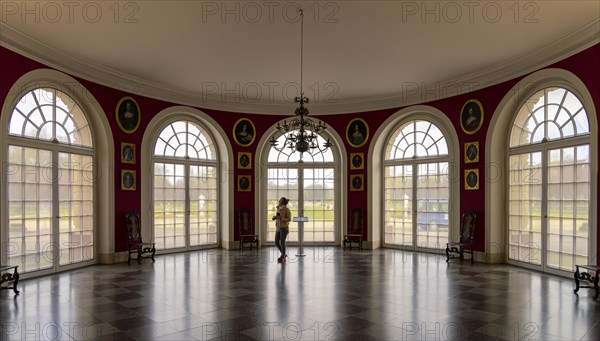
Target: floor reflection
(329, 294)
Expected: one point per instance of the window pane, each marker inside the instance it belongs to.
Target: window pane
(568, 216)
(30, 208)
(525, 212)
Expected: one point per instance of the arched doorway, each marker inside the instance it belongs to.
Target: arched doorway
(51, 183)
(185, 187)
(549, 185)
(416, 187)
(311, 181)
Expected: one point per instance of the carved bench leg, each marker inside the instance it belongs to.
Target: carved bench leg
(16, 281)
(139, 255)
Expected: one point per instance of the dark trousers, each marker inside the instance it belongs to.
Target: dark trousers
(280, 236)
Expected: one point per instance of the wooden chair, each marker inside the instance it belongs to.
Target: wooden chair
(9, 275)
(354, 232)
(465, 244)
(247, 233)
(136, 245)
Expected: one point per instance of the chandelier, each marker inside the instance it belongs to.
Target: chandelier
(301, 133)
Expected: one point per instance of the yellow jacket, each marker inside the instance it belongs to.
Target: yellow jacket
(285, 216)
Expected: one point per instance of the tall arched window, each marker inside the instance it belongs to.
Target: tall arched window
(550, 182)
(417, 188)
(308, 180)
(50, 189)
(185, 186)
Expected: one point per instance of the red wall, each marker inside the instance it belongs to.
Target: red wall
(584, 65)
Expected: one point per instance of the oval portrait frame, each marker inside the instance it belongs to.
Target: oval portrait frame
(472, 179)
(471, 121)
(472, 152)
(127, 125)
(357, 137)
(240, 135)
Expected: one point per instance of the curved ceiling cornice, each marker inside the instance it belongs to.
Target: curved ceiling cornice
(413, 93)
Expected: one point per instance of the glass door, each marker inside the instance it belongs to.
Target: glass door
(311, 194)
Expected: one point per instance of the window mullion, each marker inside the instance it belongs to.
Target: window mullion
(545, 219)
(545, 115)
(54, 138)
(55, 230)
(415, 198)
(186, 174)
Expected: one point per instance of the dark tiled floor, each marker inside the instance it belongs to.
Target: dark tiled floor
(329, 294)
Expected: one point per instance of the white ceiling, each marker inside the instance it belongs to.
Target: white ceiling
(245, 56)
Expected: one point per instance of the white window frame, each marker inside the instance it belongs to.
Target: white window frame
(543, 147)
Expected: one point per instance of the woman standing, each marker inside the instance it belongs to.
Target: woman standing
(282, 221)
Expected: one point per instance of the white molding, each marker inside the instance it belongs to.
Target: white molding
(565, 47)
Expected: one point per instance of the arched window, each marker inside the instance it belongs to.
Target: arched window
(416, 186)
(308, 180)
(50, 183)
(185, 183)
(550, 182)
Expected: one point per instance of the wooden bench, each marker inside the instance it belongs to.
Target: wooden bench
(7, 276)
(590, 275)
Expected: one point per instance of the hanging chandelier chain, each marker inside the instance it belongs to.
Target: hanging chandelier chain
(301, 133)
(302, 54)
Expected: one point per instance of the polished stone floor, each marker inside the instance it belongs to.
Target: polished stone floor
(328, 295)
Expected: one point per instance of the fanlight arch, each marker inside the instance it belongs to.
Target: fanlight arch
(50, 115)
(416, 138)
(185, 139)
(549, 114)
